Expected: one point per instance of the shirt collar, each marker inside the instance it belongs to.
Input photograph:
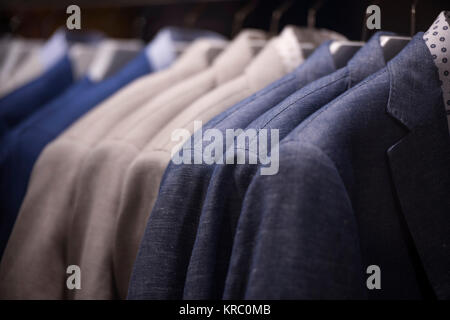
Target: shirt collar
(59, 43)
(242, 49)
(292, 40)
(437, 39)
(168, 42)
(284, 54)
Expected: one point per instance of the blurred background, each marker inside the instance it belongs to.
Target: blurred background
(143, 18)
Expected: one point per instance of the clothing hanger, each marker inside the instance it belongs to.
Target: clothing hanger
(240, 16)
(312, 14)
(392, 45)
(277, 14)
(343, 51)
(306, 47)
(111, 56)
(190, 22)
(191, 17)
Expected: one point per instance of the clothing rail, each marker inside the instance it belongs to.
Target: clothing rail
(142, 18)
(101, 3)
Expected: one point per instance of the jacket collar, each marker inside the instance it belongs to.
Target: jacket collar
(420, 161)
(367, 60)
(238, 54)
(413, 72)
(319, 63)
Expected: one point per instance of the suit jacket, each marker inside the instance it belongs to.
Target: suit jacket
(144, 175)
(5, 44)
(26, 142)
(17, 105)
(52, 181)
(368, 176)
(106, 165)
(50, 117)
(173, 194)
(202, 275)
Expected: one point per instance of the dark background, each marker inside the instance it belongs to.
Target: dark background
(143, 18)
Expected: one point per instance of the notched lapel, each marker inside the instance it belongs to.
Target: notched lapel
(420, 165)
(420, 162)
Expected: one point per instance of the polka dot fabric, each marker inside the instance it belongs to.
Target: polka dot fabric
(437, 39)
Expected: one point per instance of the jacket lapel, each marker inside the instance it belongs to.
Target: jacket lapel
(420, 162)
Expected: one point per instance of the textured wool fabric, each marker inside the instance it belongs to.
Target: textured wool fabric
(207, 230)
(100, 179)
(144, 175)
(48, 199)
(173, 194)
(368, 180)
(229, 183)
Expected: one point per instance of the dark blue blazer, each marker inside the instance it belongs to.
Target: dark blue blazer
(19, 104)
(22, 146)
(364, 181)
(161, 268)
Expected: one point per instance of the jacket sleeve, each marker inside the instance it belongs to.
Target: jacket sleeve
(297, 236)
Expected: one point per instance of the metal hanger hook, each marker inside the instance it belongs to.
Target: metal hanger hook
(191, 18)
(241, 15)
(312, 13)
(412, 28)
(277, 14)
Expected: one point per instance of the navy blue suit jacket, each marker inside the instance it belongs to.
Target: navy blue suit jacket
(19, 104)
